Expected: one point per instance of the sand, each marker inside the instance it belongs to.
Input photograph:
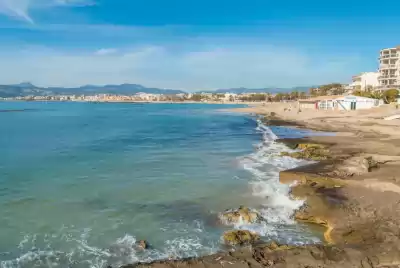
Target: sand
(354, 194)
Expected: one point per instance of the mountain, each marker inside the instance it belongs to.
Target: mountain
(26, 89)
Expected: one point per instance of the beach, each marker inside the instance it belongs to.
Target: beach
(352, 190)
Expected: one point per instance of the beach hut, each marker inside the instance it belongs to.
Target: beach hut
(352, 102)
(341, 103)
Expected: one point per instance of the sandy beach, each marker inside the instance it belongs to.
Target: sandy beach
(352, 190)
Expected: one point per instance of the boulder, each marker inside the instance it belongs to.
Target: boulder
(240, 215)
(240, 237)
(368, 163)
(142, 244)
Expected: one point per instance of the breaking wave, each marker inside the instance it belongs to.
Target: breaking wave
(41, 252)
(277, 207)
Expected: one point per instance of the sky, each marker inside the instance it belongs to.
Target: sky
(193, 45)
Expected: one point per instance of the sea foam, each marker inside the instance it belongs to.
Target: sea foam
(277, 206)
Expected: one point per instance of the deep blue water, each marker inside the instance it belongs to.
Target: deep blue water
(80, 182)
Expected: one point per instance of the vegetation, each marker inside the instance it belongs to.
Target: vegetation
(388, 96)
(254, 97)
(196, 97)
(329, 89)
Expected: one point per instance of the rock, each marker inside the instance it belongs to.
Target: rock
(313, 152)
(240, 237)
(357, 165)
(303, 146)
(240, 215)
(368, 163)
(304, 217)
(274, 246)
(142, 244)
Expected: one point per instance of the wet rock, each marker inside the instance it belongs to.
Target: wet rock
(142, 244)
(313, 152)
(304, 146)
(240, 237)
(240, 215)
(305, 217)
(311, 180)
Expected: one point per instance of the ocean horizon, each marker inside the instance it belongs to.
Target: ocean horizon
(81, 183)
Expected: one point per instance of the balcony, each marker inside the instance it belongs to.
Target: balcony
(388, 66)
(390, 56)
(389, 76)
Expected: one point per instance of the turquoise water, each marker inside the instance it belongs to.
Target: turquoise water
(81, 182)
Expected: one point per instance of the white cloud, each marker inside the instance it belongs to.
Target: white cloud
(19, 9)
(106, 51)
(191, 69)
(16, 9)
(74, 2)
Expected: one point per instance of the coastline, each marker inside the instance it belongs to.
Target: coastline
(354, 193)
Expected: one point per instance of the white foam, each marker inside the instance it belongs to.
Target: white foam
(80, 253)
(265, 165)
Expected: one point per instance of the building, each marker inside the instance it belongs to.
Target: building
(230, 97)
(389, 68)
(340, 103)
(365, 81)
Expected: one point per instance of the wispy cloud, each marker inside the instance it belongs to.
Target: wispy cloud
(189, 68)
(19, 9)
(106, 51)
(74, 2)
(16, 8)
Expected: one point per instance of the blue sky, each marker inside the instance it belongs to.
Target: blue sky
(192, 44)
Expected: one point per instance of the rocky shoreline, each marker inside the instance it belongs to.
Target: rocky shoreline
(353, 192)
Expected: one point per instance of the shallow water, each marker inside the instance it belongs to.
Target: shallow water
(80, 182)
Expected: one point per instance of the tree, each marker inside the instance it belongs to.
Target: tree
(314, 92)
(196, 97)
(278, 97)
(390, 95)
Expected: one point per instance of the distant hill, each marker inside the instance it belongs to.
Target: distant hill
(26, 89)
(263, 90)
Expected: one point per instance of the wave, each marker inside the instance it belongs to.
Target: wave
(82, 254)
(277, 207)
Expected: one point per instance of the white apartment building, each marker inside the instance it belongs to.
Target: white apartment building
(365, 80)
(389, 68)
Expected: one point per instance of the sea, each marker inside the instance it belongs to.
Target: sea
(81, 183)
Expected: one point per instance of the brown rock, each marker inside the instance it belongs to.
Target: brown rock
(143, 244)
(240, 237)
(242, 214)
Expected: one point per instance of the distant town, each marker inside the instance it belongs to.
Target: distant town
(375, 85)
